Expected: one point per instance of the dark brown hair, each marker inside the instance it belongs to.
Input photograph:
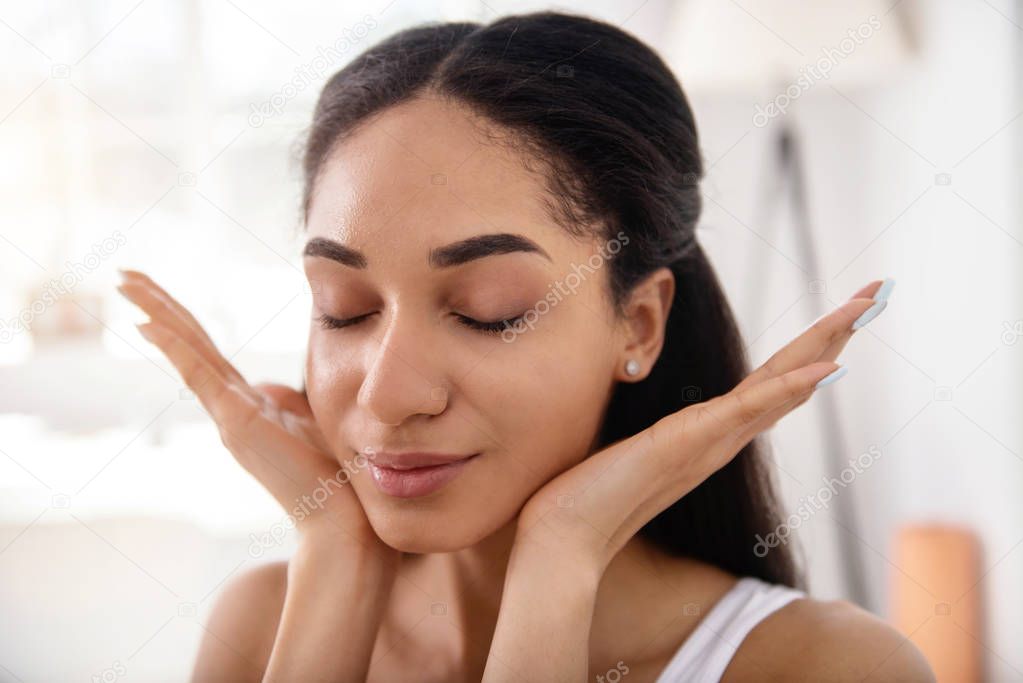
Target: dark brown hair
(614, 133)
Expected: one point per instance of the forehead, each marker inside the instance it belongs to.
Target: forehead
(422, 174)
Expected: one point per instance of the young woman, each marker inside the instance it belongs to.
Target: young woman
(525, 447)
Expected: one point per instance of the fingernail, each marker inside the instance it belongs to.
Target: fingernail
(870, 314)
(885, 289)
(833, 377)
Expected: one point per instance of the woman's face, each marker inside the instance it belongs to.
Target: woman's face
(410, 373)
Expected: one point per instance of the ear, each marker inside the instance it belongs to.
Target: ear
(646, 315)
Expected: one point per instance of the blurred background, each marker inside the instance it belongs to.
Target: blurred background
(844, 142)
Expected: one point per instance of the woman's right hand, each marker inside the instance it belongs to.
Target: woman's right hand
(269, 428)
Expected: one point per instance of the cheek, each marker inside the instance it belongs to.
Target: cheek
(572, 371)
(547, 403)
(329, 380)
(574, 394)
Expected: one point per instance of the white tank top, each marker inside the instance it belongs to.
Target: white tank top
(705, 654)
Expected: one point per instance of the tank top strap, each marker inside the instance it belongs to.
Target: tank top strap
(709, 649)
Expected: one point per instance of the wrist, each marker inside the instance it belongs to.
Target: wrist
(328, 553)
(543, 551)
(337, 594)
(547, 606)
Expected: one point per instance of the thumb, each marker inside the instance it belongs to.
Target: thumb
(285, 398)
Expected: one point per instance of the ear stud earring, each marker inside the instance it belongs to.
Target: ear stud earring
(632, 367)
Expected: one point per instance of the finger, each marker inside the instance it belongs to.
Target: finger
(285, 398)
(292, 408)
(742, 413)
(766, 422)
(165, 310)
(184, 313)
(807, 347)
(829, 333)
(868, 291)
(838, 345)
(159, 294)
(238, 414)
(220, 396)
(771, 418)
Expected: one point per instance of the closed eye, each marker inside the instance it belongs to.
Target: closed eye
(495, 327)
(329, 323)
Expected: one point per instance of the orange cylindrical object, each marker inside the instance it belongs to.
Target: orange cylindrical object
(937, 597)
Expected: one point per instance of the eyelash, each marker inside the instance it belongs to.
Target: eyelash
(496, 327)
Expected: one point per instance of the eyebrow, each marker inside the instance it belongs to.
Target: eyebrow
(448, 256)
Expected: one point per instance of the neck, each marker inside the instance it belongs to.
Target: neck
(468, 584)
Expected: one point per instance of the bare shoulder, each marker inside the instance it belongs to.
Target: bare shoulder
(817, 640)
(239, 635)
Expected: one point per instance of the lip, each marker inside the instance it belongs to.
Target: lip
(410, 475)
(411, 459)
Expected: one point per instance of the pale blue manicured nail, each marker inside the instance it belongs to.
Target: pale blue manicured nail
(870, 314)
(885, 289)
(833, 377)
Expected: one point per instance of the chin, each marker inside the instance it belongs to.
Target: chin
(416, 531)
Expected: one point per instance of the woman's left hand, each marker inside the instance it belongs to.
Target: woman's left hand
(573, 526)
(588, 513)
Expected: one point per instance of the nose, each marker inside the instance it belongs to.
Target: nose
(401, 373)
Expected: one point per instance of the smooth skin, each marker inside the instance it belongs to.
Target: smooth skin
(506, 584)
